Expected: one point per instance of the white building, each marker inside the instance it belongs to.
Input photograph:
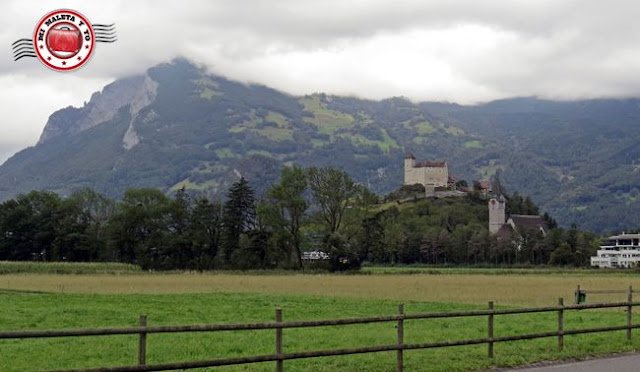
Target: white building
(314, 255)
(618, 251)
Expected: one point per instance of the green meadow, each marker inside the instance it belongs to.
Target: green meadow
(55, 301)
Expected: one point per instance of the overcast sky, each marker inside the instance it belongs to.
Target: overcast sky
(466, 51)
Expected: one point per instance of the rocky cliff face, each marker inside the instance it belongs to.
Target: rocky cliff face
(137, 92)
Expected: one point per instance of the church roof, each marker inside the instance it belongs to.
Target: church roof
(529, 222)
(504, 231)
(409, 156)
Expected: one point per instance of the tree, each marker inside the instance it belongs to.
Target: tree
(372, 241)
(342, 256)
(462, 185)
(204, 231)
(82, 228)
(551, 222)
(287, 208)
(334, 191)
(28, 226)
(139, 228)
(239, 214)
(562, 256)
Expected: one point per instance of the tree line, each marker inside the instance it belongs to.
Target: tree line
(313, 209)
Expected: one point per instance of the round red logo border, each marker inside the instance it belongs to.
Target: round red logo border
(49, 15)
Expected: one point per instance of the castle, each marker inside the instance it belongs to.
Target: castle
(430, 174)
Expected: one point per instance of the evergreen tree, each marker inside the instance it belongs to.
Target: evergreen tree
(178, 244)
(239, 214)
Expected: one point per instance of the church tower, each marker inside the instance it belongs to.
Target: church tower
(497, 218)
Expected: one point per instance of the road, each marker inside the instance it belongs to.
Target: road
(622, 363)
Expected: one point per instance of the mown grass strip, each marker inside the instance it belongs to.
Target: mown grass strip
(30, 267)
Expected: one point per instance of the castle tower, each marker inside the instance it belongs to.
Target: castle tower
(409, 164)
(496, 214)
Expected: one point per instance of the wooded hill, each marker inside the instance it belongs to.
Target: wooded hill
(315, 209)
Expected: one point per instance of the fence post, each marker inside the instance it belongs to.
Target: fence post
(629, 312)
(399, 353)
(279, 362)
(561, 324)
(491, 330)
(142, 342)
(577, 295)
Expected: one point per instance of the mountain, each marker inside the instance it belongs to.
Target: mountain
(178, 126)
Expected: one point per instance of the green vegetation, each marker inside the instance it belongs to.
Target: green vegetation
(490, 170)
(455, 131)
(19, 267)
(328, 121)
(187, 184)
(47, 311)
(207, 93)
(314, 209)
(385, 144)
(206, 88)
(475, 144)
(440, 270)
(273, 126)
(224, 153)
(421, 127)
(149, 229)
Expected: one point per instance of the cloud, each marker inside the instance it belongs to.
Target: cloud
(31, 99)
(460, 50)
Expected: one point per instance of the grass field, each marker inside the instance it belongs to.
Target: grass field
(543, 270)
(45, 301)
(26, 311)
(512, 290)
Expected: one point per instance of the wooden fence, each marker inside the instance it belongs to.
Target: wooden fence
(581, 293)
(278, 325)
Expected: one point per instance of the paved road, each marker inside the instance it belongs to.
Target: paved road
(623, 363)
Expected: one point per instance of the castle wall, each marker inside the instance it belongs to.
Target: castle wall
(437, 176)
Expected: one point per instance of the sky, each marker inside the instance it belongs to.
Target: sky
(464, 51)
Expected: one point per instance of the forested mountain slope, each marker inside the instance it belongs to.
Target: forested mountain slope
(178, 126)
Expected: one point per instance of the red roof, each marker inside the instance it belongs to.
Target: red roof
(432, 164)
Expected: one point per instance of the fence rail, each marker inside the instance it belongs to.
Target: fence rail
(278, 325)
(605, 291)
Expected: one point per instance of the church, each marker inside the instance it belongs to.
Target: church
(516, 225)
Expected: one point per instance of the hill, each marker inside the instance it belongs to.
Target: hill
(178, 126)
